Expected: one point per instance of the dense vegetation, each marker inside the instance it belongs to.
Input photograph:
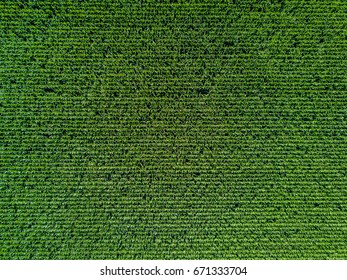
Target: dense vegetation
(173, 129)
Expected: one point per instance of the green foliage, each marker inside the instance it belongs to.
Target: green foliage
(173, 129)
